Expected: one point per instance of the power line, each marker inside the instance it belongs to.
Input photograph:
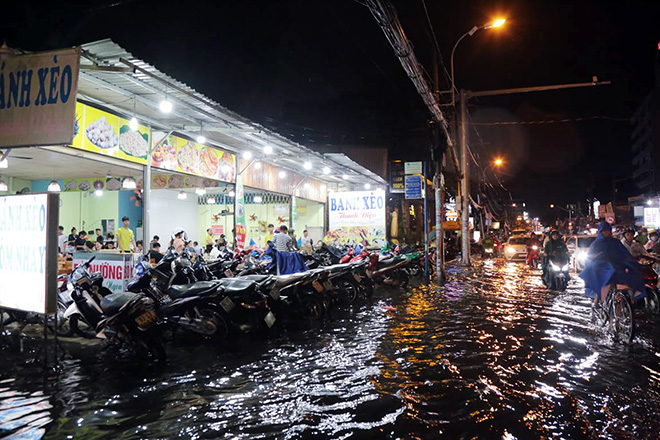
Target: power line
(435, 41)
(552, 121)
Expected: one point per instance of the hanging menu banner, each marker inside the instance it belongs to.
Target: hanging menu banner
(396, 177)
(104, 133)
(38, 98)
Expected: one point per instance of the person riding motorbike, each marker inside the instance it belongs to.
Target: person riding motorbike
(609, 263)
(488, 245)
(555, 246)
(634, 247)
(533, 248)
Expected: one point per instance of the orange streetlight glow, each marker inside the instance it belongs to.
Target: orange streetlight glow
(499, 22)
(498, 162)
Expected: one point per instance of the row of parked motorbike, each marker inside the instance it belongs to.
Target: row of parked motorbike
(239, 293)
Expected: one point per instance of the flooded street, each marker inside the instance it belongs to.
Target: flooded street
(494, 355)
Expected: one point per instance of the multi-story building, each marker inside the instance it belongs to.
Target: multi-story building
(646, 138)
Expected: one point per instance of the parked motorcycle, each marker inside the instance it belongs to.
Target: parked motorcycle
(123, 319)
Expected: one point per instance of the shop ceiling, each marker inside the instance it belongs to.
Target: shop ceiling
(47, 163)
(112, 77)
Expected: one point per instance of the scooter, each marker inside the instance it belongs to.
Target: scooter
(533, 256)
(557, 275)
(652, 299)
(123, 318)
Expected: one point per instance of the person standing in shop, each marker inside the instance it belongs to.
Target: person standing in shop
(269, 236)
(125, 240)
(73, 235)
(80, 241)
(61, 240)
(283, 241)
(99, 236)
(306, 242)
(154, 241)
(208, 241)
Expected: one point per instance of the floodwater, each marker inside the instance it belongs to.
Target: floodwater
(494, 355)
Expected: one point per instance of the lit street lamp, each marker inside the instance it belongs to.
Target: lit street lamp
(497, 23)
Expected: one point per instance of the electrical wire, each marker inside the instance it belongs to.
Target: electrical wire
(437, 46)
(552, 121)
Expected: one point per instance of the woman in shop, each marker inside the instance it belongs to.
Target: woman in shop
(208, 240)
(73, 235)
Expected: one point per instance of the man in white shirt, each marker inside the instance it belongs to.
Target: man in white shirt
(282, 241)
(306, 242)
(61, 240)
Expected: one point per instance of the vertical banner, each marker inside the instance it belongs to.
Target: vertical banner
(28, 252)
(38, 98)
(294, 216)
(239, 209)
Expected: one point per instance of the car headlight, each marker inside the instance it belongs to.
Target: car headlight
(582, 256)
(510, 250)
(535, 248)
(489, 251)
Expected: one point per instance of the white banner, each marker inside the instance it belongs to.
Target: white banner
(115, 272)
(652, 217)
(28, 252)
(38, 98)
(357, 216)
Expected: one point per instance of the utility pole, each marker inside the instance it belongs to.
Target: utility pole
(438, 155)
(465, 183)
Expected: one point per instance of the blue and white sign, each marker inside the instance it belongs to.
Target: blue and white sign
(414, 187)
(28, 252)
(357, 216)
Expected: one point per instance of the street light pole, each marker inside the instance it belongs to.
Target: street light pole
(465, 184)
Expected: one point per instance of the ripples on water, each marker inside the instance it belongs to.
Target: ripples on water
(493, 355)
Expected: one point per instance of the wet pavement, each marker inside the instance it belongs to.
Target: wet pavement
(494, 355)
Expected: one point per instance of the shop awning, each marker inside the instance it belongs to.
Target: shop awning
(113, 77)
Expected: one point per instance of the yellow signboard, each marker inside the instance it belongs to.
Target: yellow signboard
(101, 132)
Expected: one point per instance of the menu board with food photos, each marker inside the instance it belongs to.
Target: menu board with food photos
(101, 132)
(179, 154)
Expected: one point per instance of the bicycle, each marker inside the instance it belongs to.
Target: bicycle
(616, 313)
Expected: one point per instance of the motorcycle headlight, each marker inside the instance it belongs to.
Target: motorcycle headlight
(511, 250)
(555, 267)
(582, 256)
(489, 251)
(565, 268)
(535, 248)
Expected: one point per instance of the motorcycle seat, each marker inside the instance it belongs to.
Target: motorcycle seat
(111, 304)
(236, 285)
(195, 289)
(339, 268)
(287, 280)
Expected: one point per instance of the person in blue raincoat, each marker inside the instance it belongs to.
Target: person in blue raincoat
(609, 262)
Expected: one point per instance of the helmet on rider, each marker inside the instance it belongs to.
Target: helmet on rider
(629, 234)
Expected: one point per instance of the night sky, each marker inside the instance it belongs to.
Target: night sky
(323, 73)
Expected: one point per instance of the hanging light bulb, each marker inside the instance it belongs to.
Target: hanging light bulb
(268, 149)
(345, 177)
(211, 200)
(54, 186)
(3, 186)
(231, 193)
(307, 165)
(257, 165)
(282, 174)
(201, 139)
(165, 105)
(247, 155)
(367, 186)
(129, 183)
(200, 191)
(4, 163)
(98, 192)
(133, 124)
(257, 199)
(326, 170)
(182, 195)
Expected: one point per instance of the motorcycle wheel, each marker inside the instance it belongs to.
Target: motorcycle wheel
(81, 328)
(652, 303)
(415, 270)
(312, 307)
(350, 290)
(214, 319)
